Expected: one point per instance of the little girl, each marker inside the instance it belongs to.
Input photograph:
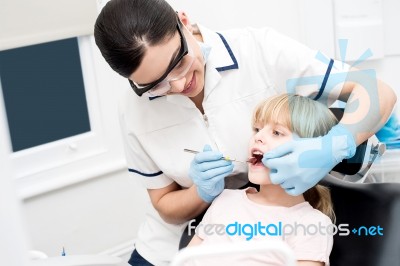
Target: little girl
(303, 221)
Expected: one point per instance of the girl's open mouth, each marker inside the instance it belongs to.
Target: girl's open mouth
(256, 159)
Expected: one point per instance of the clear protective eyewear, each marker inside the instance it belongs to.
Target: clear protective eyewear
(177, 70)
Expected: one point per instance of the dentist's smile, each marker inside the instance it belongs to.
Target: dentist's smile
(190, 87)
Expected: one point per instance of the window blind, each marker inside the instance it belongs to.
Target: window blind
(28, 22)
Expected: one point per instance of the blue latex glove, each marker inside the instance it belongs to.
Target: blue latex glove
(390, 132)
(208, 171)
(301, 163)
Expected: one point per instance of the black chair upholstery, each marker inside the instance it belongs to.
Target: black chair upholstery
(186, 235)
(366, 205)
(352, 165)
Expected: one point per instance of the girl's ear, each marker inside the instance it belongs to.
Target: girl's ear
(185, 21)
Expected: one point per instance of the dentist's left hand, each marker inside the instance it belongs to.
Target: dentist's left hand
(300, 164)
(208, 171)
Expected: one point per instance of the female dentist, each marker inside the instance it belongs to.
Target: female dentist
(193, 86)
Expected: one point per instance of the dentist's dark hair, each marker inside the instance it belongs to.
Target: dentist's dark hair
(125, 28)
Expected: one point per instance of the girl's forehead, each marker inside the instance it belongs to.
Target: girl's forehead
(271, 123)
(273, 120)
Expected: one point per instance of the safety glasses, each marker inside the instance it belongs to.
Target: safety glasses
(177, 70)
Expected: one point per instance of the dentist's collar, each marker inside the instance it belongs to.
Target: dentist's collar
(221, 56)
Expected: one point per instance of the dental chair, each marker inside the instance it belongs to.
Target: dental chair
(366, 205)
(363, 204)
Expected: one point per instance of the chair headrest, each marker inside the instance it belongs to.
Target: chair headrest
(352, 165)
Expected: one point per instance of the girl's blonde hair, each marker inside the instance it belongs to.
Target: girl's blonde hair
(307, 118)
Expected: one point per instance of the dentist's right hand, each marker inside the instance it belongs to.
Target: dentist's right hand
(208, 171)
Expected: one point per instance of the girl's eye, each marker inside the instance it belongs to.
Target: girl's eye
(276, 133)
(256, 129)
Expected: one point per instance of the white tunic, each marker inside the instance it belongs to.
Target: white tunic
(244, 67)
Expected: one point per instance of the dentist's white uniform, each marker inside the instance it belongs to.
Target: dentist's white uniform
(244, 67)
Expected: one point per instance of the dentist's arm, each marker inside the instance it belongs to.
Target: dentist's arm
(373, 105)
(207, 171)
(176, 205)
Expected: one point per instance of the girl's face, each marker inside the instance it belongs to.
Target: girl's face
(157, 59)
(265, 138)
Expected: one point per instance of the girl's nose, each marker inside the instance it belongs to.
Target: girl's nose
(258, 138)
(262, 137)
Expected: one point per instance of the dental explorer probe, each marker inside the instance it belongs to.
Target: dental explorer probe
(250, 160)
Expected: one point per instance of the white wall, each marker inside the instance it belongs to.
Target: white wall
(13, 242)
(225, 14)
(308, 21)
(89, 217)
(104, 212)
